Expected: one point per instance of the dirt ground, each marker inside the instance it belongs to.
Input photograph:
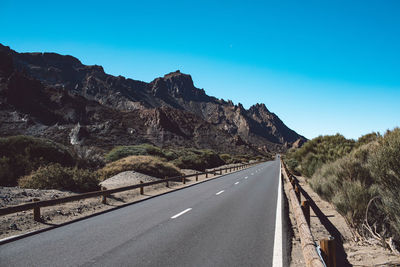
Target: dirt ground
(22, 222)
(326, 221)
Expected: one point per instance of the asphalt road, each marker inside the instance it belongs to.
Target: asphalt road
(228, 221)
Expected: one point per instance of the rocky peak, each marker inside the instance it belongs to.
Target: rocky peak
(177, 85)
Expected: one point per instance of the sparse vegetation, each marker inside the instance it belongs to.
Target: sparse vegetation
(198, 160)
(385, 167)
(348, 183)
(40, 163)
(354, 176)
(120, 152)
(318, 151)
(55, 176)
(20, 155)
(149, 165)
(185, 158)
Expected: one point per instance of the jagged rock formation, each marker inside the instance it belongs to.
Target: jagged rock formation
(47, 94)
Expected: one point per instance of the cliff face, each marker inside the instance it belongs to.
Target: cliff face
(46, 94)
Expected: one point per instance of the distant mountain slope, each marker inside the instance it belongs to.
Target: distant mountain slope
(47, 94)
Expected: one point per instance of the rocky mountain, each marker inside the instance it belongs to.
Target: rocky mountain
(56, 96)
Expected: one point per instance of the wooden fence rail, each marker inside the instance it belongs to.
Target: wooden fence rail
(45, 203)
(308, 245)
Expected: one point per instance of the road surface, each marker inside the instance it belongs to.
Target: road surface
(228, 221)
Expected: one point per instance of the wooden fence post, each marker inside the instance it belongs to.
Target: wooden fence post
(220, 172)
(36, 211)
(103, 197)
(328, 249)
(197, 176)
(206, 174)
(183, 180)
(305, 206)
(141, 188)
(297, 191)
(166, 182)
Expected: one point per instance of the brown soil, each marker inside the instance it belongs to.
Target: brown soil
(325, 222)
(22, 222)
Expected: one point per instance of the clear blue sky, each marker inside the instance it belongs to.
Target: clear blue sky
(322, 66)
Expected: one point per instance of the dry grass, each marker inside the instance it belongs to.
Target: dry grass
(149, 165)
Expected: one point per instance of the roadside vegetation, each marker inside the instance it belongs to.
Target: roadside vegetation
(39, 163)
(55, 176)
(184, 158)
(149, 165)
(360, 178)
(20, 155)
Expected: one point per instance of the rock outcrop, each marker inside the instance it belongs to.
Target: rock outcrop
(56, 96)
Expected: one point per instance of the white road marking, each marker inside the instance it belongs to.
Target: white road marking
(180, 213)
(252, 174)
(236, 182)
(220, 192)
(277, 258)
(246, 177)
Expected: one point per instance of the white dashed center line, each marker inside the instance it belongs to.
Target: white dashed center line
(246, 177)
(180, 213)
(236, 183)
(220, 192)
(252, 174)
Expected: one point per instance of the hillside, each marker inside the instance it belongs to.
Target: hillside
(55, 96)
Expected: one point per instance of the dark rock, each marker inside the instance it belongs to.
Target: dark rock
(58, 97)
(13, 226)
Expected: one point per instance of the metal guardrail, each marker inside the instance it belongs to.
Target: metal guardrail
(45, 203)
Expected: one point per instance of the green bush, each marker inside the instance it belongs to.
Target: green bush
(226, 158)
(318, 151)
(55, 176)
(149, 165)
(348, 183)
(20, 155)
(385, 167)
(198, 160)
(137, 150)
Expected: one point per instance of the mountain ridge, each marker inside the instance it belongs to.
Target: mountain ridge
(88, 91)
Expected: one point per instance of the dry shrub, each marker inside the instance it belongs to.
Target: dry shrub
(385, 166)
(20, 155)
(55, 176)
(348, 183)
(149, 165)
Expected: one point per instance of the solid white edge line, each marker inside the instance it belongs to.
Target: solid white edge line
(180, 213)
(277, 259)
(236, 182)
(220, 192)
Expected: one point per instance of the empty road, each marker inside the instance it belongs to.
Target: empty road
(228, 221)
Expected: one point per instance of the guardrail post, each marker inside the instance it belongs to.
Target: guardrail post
(166, 182)
(305, 206)
(297, 191)
(141, 188)
(103, 197)
(36, 211)
(206, 174)
(197, 176)
(328, 248)
(183, 180)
